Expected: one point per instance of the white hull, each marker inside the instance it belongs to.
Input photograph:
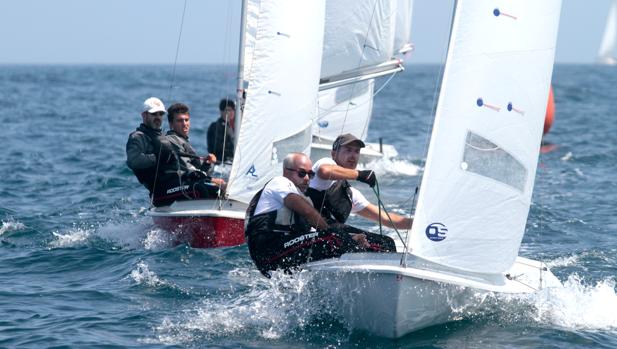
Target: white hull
(374, 293)
(368, 154)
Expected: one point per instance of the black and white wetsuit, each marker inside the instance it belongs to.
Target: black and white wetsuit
(279, 238)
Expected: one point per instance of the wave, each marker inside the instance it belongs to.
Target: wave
(270, 309)
(11, 226)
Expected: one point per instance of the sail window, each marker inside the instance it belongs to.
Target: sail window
(297, 142)
(487, 159)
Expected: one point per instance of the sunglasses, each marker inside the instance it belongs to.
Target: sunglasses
(302, 172)
(159, 113)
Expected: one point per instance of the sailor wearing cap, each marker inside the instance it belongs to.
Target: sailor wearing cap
(332, 194)
(142, 147)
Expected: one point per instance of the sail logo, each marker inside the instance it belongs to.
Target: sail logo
(323, 123)
(436, 231)
(251, 171)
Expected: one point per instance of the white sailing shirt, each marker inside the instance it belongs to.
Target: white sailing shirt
(274, 194)
(358, 201)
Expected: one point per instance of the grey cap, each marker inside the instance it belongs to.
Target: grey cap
(347, 139)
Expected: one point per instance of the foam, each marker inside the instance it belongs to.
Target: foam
(10, 226)
(579, 306)
(269, 309)
(72, 238)
(392, 167)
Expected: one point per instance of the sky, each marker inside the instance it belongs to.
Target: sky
(147, 31)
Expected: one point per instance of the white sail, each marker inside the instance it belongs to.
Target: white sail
(606, 54)
(480, 168)
(345, 109)
(361, 39)
(281, 98)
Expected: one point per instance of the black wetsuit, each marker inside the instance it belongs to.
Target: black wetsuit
(335, 204)
(218, 134)
(283, 239)
(141, 154)
(184, 176)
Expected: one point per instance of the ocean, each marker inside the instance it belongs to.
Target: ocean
(81, 266)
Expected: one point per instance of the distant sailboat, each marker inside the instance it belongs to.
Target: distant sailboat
(280, 39)
(606, 53)
(478, 180)
(363, 40)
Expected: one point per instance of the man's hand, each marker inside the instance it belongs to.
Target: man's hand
(211, 158)
(360, 239)
(368, 177)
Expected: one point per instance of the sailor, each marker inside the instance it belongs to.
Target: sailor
(283, 230)
(221, 132)
(143, 145)
(184, 176)
(335, 198)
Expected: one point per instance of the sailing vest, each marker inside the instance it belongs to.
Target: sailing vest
(281, 221)
(334, 203)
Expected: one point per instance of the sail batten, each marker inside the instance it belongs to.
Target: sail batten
(480, 169)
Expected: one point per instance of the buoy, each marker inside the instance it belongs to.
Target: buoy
(550, 111)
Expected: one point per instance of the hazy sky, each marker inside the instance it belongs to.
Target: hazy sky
(146, 31)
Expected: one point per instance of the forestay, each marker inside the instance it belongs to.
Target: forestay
(481, 163)
(285, 62)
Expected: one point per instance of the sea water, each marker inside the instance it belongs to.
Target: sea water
(81, 266)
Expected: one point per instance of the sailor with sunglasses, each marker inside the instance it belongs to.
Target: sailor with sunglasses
(284, 230)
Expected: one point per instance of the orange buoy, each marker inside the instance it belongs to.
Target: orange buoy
(550, 112)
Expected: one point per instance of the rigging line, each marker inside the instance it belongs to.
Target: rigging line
(226, 86)
(247, 78)
(173, 71)
(375, 94)
(436, 90)
(381, 204)
(356, 105)
(353, 87)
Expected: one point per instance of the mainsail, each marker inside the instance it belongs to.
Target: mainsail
(282, 63)
(362, 40)
(606, 53)
(481, 163)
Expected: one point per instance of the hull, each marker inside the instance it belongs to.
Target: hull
(374, 293)
(202, 223)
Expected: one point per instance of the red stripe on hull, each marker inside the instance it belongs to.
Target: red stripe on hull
(204, 232)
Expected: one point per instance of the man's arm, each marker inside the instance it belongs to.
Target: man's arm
(335, 172)
(399, 222)
(297, 204)
(136, 158)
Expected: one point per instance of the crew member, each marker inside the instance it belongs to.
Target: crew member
(335, 198)
(284, 230)
(221, 139)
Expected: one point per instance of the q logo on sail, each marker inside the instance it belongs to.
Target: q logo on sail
(436, 231)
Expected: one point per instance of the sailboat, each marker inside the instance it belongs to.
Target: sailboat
(363, 40)
(278, 38)
(476, 190)
(606, 53)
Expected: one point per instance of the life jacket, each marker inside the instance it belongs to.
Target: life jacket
(334, 203)
(281, 221)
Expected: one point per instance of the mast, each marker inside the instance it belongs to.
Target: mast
(240, 85)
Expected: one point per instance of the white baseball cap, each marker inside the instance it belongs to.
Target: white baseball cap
(153, 105)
